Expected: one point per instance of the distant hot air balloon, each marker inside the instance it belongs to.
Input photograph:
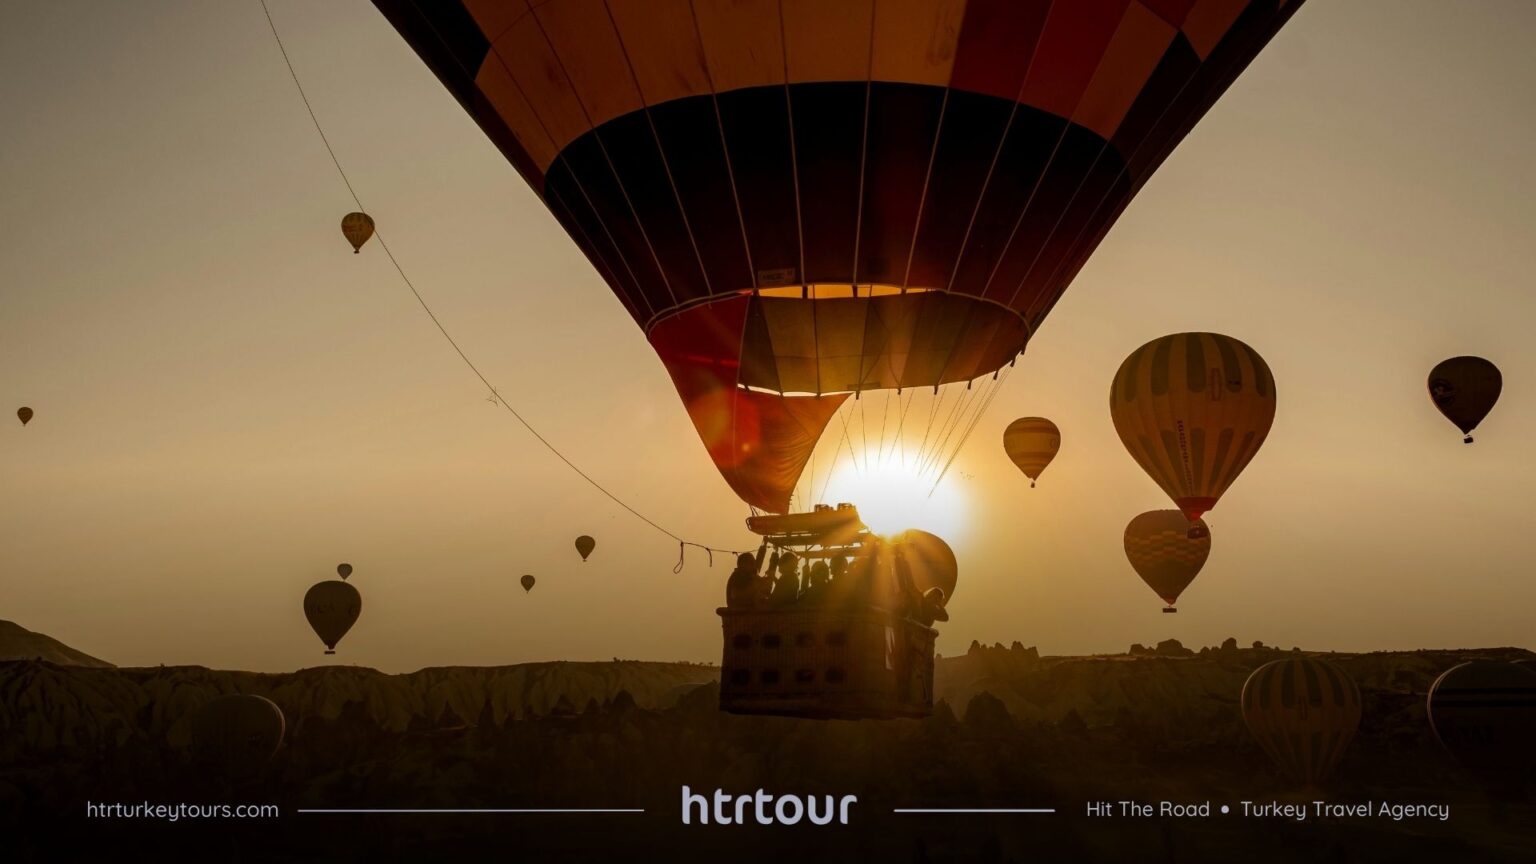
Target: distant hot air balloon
(528, 583)
(1032, 443)
(585, 545)
(343, 570)
(1193, 409)
(1484, 713)
(1166, 553)
(234, 736)
(332, 608)
(932, 561)
(1303, 712)
(1465, 389)
(799, 201)
(25, 414)
(357, 227)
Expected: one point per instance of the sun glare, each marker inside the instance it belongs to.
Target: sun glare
(892, 497)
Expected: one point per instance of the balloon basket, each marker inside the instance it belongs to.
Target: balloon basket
(827, 663)
(329, 651)
(1169, 610)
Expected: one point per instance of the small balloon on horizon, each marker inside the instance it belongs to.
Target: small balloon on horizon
(357, 228)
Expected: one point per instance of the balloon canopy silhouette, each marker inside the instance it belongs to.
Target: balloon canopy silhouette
(332, 608)
(801, 201)
(357, 228)
(1465, 389)
(234, 736)
(1483, 713)
(1032, 442)
(24, 414)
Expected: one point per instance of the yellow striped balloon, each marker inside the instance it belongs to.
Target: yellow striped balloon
(1032, 443)
(357, 227)
(1193, 409)
(1166, 553)
(1303, 712)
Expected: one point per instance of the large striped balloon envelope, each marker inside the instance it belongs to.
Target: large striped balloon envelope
(1193, 409)
(1303, 712)
(797, 200)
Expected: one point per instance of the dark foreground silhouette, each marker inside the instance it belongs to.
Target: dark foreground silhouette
(1011, 729)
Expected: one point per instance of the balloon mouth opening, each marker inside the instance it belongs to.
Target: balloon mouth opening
(1194, 508)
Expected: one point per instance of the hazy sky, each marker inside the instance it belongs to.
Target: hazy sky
(229, 402)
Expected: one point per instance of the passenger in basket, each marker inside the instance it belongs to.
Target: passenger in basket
(816, 587)
(787, 588)
(932, 608)
(741, 589)
(839, 567)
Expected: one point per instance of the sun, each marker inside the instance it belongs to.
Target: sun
(893, 496)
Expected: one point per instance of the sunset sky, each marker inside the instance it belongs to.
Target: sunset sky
(229, 402)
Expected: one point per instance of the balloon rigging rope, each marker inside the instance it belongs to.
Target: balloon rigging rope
(495, 395)
(987, 403)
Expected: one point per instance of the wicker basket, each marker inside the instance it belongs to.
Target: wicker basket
(808, 660)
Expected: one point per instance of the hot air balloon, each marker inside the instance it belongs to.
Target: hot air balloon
(1483, 712)
(343, 570)
(1032, 443)
(24, 414)
(798, 201)
(585, 545)
(1166, 553)
(528, 582)
(332, 608)
(234, 736)
(1303, 712)
(357, 227)
(1465, 389)
(932, 561)
(1193, 409)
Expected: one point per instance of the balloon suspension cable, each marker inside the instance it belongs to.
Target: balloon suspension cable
(494, 394)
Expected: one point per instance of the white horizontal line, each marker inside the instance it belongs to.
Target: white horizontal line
(976, 810)
(483, 810)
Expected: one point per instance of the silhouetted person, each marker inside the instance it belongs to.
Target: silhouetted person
(839, 567)
(816, 586)
(787, 588)
(741, 589)
(853, 588)
(931, 608)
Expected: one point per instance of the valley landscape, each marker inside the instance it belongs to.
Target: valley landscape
(1010, 728)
